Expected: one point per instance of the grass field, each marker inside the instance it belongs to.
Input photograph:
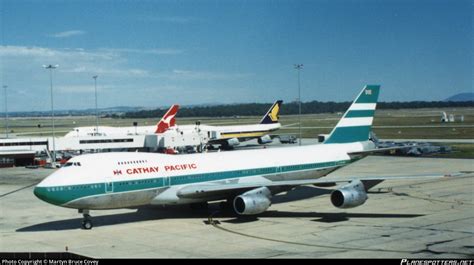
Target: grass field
(388, 124)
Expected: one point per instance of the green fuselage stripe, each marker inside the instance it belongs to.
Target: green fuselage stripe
(60, 195)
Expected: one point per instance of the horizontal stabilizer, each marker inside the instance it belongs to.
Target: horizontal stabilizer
(377, 151)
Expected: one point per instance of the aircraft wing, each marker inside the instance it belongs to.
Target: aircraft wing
(220, 189)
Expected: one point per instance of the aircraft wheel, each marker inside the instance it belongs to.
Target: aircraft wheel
(87, 224)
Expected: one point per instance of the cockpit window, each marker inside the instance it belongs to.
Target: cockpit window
(68, 164)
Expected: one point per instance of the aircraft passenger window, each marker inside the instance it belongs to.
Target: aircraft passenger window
(68, 164)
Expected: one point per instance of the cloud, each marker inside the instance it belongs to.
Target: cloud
(122, 77)
(20, 51)
(73, 61)
(58, 54)
(163, 51)
(82, 89)
(107, 71)
(68, 34)
(206, 75)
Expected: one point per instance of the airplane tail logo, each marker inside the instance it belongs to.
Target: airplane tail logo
(272, 113)
(168, 120)
(356, 124)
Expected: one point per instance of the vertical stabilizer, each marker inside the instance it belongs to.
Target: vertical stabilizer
(356, 123)
(272, 114)
(168, 120)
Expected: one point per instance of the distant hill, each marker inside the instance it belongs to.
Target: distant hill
(257, 109)
(246, 109)
(76, 112)
(461, 97)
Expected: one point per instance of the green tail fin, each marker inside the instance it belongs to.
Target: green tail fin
(356, 123)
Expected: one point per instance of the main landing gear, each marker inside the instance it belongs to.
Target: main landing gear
(87, 220)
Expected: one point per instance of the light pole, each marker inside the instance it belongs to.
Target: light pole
(96, 110)
(6, 111)
(299, 67)
(51, 67)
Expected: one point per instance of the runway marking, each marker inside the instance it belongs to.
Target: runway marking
(428, 198)
(216, 224)
(26, 187)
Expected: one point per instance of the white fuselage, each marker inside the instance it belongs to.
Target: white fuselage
(115, 180)
(110, 131)
(223, 132)
(241, 132)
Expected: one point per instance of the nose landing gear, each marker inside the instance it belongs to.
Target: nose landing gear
(87, 220)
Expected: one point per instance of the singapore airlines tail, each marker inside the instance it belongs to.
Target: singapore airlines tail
(356, 123)
(272, 114)
(168, 120)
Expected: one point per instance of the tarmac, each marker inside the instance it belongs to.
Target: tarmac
(401, 219)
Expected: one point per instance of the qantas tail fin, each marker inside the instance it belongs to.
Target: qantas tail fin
(168, 120)
(356, 123)
(272, 113)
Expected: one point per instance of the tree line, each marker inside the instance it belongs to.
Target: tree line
(259, 109)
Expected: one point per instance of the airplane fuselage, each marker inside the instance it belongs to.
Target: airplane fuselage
(241, 132)
(110, 131)
(116, 180)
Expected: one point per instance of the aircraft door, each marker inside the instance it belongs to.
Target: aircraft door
(109, 185)
(166, 182)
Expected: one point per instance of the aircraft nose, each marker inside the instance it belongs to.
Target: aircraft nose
(40, 193)
(44, 194)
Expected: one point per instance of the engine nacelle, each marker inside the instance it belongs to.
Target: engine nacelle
(266, 139)
(350, 195)
(233, 142)
(253, 202)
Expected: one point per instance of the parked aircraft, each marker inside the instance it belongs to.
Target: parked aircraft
(230, 136)
(226, 136)
(248, 179)
(166, 122)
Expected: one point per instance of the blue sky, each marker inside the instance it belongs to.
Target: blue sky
(156, 53)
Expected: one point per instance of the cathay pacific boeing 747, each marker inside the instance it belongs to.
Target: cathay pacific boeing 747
(248, 179)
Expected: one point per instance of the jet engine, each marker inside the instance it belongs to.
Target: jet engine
(233, 142)
(350, 195)
(266, 139)
(253, 202)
